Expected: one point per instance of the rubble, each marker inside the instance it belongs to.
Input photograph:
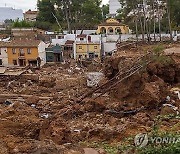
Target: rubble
(93, 78)
(40, 111)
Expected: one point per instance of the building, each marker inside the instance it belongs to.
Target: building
(27, 32)
(8, 13)
(3, 54)
(67, 41)
(114, 6)
(25, 52)
(68, 51)
(30, 15)
(87, 47)
(54, 54)
(112, 27)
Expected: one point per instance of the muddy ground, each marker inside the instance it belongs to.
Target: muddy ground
(47, 118)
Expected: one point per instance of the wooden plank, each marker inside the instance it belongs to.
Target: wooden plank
(23, 96)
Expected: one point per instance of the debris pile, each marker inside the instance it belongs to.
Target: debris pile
(40, 112)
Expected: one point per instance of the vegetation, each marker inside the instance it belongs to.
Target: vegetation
(69, 14)
(159, 55)
(21, 24)
(151, 16)
(127, 146)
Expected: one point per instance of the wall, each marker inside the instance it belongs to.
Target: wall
(124, 29)
(49, 56)
(42, 53)
(4, 56)
(109, 47)
(30, 16)
(32, 56)
(63, 41)
(87, 48)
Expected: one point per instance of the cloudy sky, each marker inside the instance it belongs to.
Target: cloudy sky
(24, 4)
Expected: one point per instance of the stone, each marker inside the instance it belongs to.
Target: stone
(90, 151)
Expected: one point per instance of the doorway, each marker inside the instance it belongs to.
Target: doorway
(91, 55)
(22, 62)
(58, 57)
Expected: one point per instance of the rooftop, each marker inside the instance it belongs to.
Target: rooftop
(20, 43)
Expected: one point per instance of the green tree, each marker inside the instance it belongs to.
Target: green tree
(45, 16)
(105, 10)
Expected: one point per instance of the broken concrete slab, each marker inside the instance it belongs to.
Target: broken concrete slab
(2, 70)
(93, 78)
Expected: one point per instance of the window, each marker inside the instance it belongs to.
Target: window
(13, 51)
(80, 47)
(60, 37)
(82, 39)
(14, 62)
(95, 47)
(21, 52)
(29, 51)
(1, 62)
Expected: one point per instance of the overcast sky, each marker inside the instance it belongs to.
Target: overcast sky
(24, 4)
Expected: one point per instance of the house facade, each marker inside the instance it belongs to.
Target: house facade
(30, 15)
(25, 52)
(54, 54)
(3, 55)
(112, 27)
(87, 48)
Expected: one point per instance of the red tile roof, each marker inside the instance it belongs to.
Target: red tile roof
(69, 42)
(20, 43)
(31, 12)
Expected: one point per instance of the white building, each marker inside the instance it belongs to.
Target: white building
(10, 13)
(3, 55)
(61, 39)
(114, 6)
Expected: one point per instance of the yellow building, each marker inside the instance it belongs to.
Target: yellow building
(25, 52)
(85, 47)
(112, 27)
(89, 50)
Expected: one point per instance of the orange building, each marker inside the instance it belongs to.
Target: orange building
(25, 52)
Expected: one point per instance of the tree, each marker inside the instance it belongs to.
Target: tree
(45, 17)
(46, 8)
(105, 10)
(80, 13)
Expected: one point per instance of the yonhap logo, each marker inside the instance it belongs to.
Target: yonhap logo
(141, 140)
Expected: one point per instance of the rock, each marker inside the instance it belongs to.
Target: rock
(47, 81)
(93, 78)
(32, 77)
(3, 148)
(90, 151)
(72, 152)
